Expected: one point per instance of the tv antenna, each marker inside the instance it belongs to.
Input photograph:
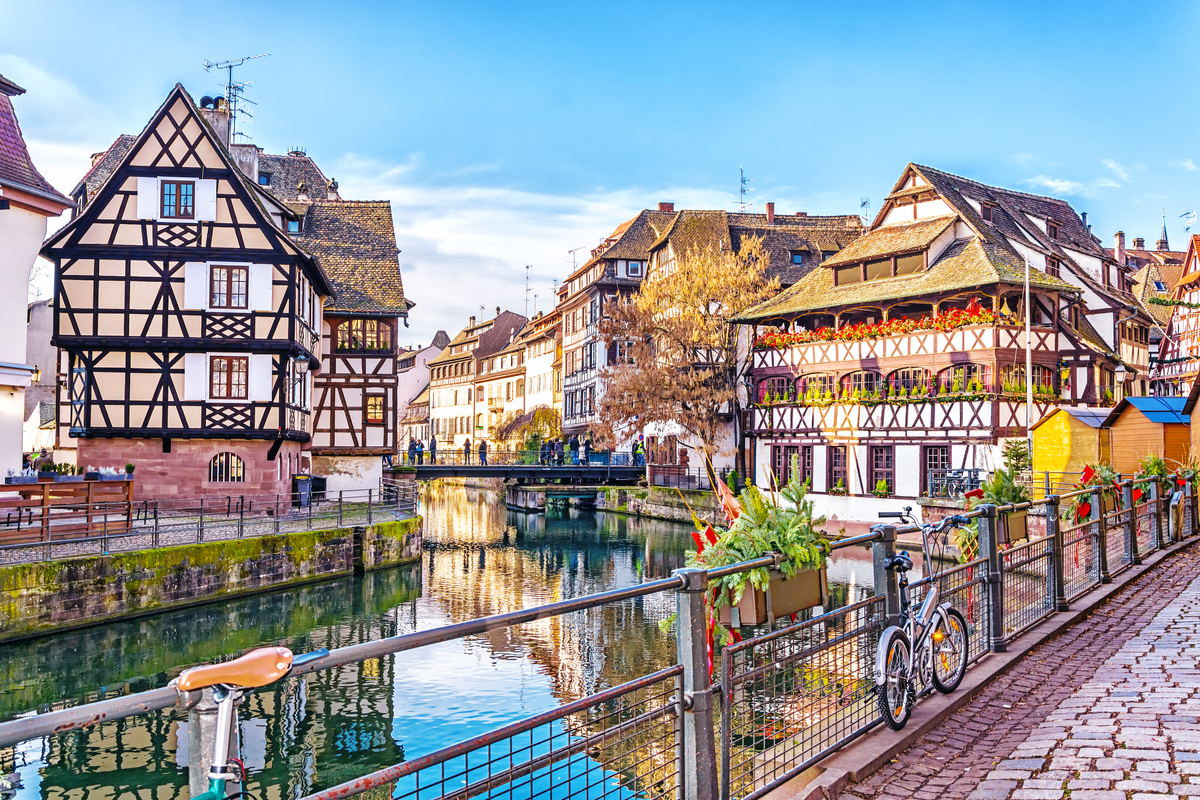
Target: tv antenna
(573, 252)
(864, 210)
(744, 190)
(527, 266)
(234, 90)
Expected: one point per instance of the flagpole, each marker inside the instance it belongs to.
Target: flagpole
(1028, 366)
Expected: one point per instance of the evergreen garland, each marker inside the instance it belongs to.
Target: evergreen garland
(1164, 301)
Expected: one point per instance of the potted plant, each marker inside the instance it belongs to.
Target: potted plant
(129, 470)
(115, 475)
(405, 473)
(1002, 489)
(1100, 475)
(66, 474)
(881, 489)
(839, 488)
(25, 477)
(759, 526)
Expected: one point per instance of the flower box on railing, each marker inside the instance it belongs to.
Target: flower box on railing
(18, 479)
(125, 477)
(806, 589)
(68, 478)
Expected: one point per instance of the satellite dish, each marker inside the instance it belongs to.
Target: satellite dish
(207, 102)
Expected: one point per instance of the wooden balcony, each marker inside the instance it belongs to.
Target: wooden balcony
(976, 416)
(918, 344)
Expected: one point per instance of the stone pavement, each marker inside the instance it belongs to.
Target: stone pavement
(1109, 710)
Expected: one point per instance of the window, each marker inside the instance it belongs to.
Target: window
(264, 179)
(635, 269)
(861, 384)
(228, 287)
(914, 382)
(797, 257)
(1053, 266)
(178, 199)
(966, 378)
(878, 269)
(226, 468)
(985, 211)
(775, 390)
(837, 468)
(293, 226)
(520, 387)
(374, 409)
(817, 387)
(910, 264)
(1052, 229)
(781, 463)
(934, 461)
(479, 394)
(1159, 286)
(370, 334)
(624, 352)
(847, 275)
(479, 421)
(883, 467)
(227, 377)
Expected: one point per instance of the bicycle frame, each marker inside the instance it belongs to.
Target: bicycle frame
(218, 772)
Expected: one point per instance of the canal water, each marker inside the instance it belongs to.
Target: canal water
(299, 736)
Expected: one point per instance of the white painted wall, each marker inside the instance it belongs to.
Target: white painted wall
(21, 235)
(347, 473)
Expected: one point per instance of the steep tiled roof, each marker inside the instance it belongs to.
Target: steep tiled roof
(892, 239)
(103, 166)
(355, 244)
(288, 171)
(967, 264)
(1144, 287)
(634, 237)
(16, 167)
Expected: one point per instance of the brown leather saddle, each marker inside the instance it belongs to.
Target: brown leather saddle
(256, 668)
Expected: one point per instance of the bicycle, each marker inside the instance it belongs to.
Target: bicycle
(939, 632)
(229, 681)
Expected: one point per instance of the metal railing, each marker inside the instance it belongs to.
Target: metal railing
(493, 458)
(675, 476)
(954, 482)
(782, 699)
(74, 529)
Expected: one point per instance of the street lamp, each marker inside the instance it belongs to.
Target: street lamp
(1119, 378)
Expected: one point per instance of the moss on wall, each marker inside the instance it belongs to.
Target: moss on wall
(661, 503)
(82, 591)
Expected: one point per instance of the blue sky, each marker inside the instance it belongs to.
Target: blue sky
(508, 134)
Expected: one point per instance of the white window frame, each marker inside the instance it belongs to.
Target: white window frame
(204, 199)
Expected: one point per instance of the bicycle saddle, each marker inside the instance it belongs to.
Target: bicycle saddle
(256, 668)
(899, 561)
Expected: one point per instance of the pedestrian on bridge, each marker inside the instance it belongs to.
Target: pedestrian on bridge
(587, 450)
(420, 452)
(412, 452)
(432, 449)
(483, 453)
(573, 443)
(467, 451)
(558, 451)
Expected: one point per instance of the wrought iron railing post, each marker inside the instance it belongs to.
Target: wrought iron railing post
(200, 534)
(370, 495)
(1097, 517)
(699, 768)
(1054, 531)
(989, 548)
(339, 508)
(277, 513)
(885, 579)
(241, 516)
(1129, 524)
(156, 523)
(1156, 520)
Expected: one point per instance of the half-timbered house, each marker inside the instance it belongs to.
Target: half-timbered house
(355, 393)
(1178, 362)
(186, 317)
(904, 355)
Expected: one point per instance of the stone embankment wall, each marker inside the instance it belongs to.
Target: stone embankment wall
(52, 595)
(662, 503)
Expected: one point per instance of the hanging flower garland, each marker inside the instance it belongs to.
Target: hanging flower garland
(973, 314)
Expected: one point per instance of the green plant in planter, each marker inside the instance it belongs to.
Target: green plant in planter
(732, 481)
(1016, 455)
(1155, 466)
(839, 488)
(764, 525)
(129, 469)
(1001, 489)
(881, 488)
(903, 393)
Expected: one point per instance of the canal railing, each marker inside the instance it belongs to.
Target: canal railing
(70, 527)
(772, 704)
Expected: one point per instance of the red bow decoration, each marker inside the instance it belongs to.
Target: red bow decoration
(1137, 495)
(1088, 474)
(974, 494)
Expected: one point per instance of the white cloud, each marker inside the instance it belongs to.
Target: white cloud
(1025, 160)
(1187, 165)
(1116, 168)
(1061, 186)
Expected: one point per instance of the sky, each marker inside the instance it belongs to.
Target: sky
(508, 134)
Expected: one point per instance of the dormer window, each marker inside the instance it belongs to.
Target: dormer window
(880, 268)
(264, 179)
(1159, 286)
(293, 226)
(797, 257)
(178, 199)
(1053, 266)
(985, 211)
(1052, 229)
(635, 269)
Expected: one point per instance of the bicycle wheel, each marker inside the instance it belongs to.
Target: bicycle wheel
(894, 693)
(948, 648)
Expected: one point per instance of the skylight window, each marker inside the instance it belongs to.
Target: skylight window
(1159, 286)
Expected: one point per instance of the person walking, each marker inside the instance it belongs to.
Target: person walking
(483, 453)
(432, 449)
(412, 452)
(420, 452)
(558, 451)
(639, 450)
(573, 444)
(467, 451)
(587, 450)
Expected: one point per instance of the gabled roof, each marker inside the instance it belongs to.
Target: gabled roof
(16, 166)
(631, 240)
(1092, 417)
(1160, 410)
(103, 165)
(893, 239)
(355, 243)
(1144, 288)
(288, 171)
(967, 265)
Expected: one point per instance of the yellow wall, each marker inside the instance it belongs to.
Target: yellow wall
(1064, 444)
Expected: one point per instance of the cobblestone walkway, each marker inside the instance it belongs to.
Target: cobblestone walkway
(1108, 710)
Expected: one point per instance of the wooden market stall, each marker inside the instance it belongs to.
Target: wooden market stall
(1142, 426)
(1069, 437)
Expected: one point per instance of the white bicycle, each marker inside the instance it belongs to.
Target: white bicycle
(929, 647)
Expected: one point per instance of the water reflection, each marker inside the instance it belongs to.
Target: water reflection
(302, 735)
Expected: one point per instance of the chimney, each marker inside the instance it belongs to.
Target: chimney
(770, 213)
(1119, 249)
(497, 311)
(331, 191)
(471, 322)
(666, 207)
(1139, 243)
(801, 213)
(218, 119)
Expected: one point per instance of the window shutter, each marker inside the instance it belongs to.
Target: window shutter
(206, 200)
(260, 287)
(262, 377)
(195, 376)
(148, 198)
(195, 285)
